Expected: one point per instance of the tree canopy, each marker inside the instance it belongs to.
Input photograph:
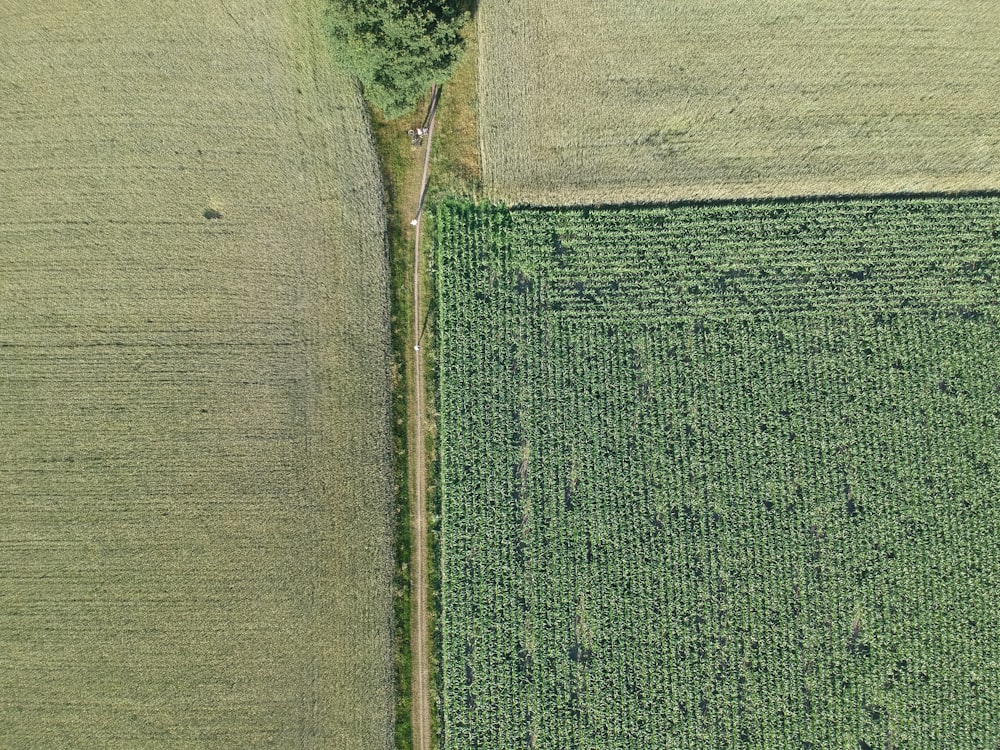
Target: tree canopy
(397, 48)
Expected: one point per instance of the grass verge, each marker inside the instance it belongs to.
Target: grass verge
(397, 164)
(456, 166)
(455, 171)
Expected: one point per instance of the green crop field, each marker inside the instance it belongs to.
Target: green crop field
(195, 505)
(721, 476)
(609, 101)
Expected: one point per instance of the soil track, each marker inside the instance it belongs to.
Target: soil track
(419, 636)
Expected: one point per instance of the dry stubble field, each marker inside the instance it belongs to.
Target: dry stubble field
(603, 101)
(194, 525)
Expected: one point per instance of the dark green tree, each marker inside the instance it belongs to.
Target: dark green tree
(397, 48)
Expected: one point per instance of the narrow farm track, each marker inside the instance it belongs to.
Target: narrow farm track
(419, 635)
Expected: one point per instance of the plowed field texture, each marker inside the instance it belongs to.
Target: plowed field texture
(721, 476)
(194, 483)
(609, 101)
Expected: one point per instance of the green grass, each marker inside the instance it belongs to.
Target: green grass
(455, 164)
(454, 171)
(601, 102)
(195, 533)
(398, 159)
(721, 475)
(400, 174)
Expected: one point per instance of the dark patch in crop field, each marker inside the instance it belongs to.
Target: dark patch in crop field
(852, 508)
(856, 645)
(558, 248)
(875, 712)
(525, 284)
(527, 661)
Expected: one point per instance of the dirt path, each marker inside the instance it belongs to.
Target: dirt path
(419, 636)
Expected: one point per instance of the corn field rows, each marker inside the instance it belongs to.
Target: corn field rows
(721, 476)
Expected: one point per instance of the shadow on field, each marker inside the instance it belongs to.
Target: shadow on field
(774, 201)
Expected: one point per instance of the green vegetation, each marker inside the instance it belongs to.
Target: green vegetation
(397, 48)
(195, 529)
(601, 102)
(455, 164)
(455, 170)
(398, 163)
(721, 475)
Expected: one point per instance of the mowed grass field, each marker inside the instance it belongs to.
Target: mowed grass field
(601, 101)
(194, 462)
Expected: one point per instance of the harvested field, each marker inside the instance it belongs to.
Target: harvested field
(195, 519)
(600, 101)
